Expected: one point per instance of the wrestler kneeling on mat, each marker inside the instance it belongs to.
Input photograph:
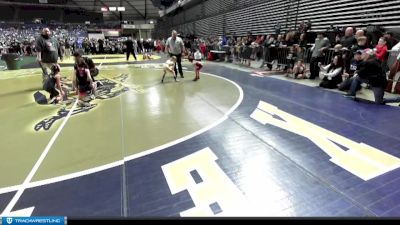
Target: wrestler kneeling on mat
(52, 84)
(83, 83)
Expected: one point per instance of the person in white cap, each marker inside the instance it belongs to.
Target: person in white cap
(369, 71)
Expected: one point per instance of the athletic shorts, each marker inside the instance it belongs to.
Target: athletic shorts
(84, 89)
(168, 69)
(198, 65)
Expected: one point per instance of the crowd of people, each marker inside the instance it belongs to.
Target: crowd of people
(342, 60)
(21, 38)
(355, 56)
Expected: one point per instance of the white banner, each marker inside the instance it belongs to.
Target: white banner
(128, 26)
(111, 33)
(138, 26)
(96, 36)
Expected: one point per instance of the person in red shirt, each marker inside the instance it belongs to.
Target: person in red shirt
(381, 49)
(158, 46)
(203, 48)
(259, 39)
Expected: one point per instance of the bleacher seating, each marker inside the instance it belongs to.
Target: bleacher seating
(260, 16)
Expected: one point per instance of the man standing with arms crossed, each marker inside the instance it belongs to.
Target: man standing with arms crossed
(175, 47)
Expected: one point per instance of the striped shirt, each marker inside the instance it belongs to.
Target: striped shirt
(175, 46)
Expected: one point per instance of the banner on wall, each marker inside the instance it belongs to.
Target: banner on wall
(138, 26)
(111, 33)
(96, 36)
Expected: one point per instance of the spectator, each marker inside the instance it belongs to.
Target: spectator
(333, 75)
(348, 40)
(101, 46)
(303, 40)
(67, 52)
(299, 70)
(321, 44)
(394, 76)
(290, 38)
(361, 44)
(360, 33)
(337, 50)
(203, 49)
(140, 46)
(349, 73)
(369, 71)
(391, 41)
(396, 47)
(250, 38)
(277, 28)
(381, 49)
(302, 27)
(92, 46)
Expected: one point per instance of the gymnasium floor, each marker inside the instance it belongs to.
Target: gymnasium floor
(230, 144)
